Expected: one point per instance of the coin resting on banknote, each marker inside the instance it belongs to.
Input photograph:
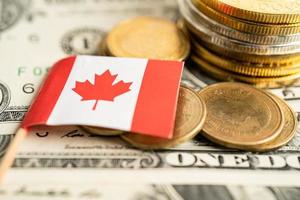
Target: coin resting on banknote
(190, 117)
(288, 131)
(65, 27)
(245, 42)
(233, 115)
(239, 116)
(147, 37)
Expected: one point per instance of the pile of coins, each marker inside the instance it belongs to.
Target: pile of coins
(190, 117)
(146, 37)
(243, 117)
(233, 115)
(256, 42)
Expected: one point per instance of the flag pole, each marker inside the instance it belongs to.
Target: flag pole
(11, 151)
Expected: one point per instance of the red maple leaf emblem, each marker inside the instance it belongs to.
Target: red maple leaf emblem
(102, 89)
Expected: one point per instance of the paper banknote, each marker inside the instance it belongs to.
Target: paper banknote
(35, 34)
(80, 191)
(68, 163)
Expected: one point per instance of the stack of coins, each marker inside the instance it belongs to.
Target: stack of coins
(256, 42)
(190, 117)
(146, 37)
(243, 117)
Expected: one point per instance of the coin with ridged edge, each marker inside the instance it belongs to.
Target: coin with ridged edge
(193, 16)
(265, 60)
(190, 117)
(233, 49)
(148, 37)
(271, 11)
(289, 129)
(223, 75)
(245, 69)
(240, 116)
(101, 131)
(248, 26)
(228, 44)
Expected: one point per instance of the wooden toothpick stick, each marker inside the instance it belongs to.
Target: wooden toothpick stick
(10, 154)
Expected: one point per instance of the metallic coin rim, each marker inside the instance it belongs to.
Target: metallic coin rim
(104, 51)
(275, 144)
(268, 60)
(225, 75)
(265, 60)
(234, 45)
(247, 26)
(118, 52)
(242, 145)
(194, 16)
(240, 68)
(179, 140)
(106, 132)
(252, 15)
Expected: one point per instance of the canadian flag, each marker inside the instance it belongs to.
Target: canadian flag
(129, 94)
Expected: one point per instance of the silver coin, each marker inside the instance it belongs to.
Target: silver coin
(209, 36)
(199, 19)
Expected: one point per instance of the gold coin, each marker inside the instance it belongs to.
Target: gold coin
(193, 16)
(190, 117)
(180, 24)
(270, 11)
(262, 82)
(264, 60)
(289, 129)
(148, 37)
(240, 116)
(215, 39)
(101, 131)
(248, 26)
(245, 69)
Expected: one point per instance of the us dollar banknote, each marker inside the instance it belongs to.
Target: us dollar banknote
(69, 163)
(87, 191)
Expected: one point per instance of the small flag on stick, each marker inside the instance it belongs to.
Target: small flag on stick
(129, 94)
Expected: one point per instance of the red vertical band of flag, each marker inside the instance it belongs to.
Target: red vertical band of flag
(49, 93)
(157, 99)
